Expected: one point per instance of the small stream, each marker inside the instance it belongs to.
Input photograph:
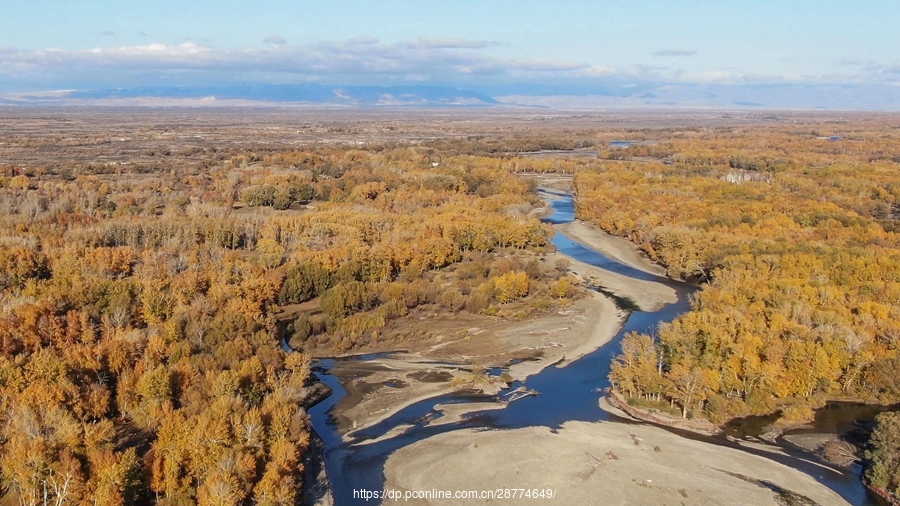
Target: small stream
(568, 393)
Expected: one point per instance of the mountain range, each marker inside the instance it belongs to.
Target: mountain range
(611, 95)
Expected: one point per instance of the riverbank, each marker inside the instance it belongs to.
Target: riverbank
(614, 247)
(383, 387)
(316, 491)
(581, 461)
(699, 425)
(648, 295)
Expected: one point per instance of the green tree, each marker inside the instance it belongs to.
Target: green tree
(303, 282)
(884, 453)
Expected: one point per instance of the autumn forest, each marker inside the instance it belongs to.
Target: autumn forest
(158, 319)
(160, 308)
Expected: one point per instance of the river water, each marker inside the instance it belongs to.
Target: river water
(567, 393)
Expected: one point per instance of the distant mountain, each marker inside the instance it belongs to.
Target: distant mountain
(849, 97)
(607, 94)
(313, 94)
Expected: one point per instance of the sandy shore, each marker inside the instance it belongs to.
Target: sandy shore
(589, 324)
(648, 295)
(452, 413)
(583, 462)
(614, 247)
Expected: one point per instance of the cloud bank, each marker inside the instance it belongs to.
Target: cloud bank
(415, 60)
(361, 60)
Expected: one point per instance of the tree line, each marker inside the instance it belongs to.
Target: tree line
(800, 277)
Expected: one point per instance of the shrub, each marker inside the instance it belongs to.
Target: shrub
(796, 413)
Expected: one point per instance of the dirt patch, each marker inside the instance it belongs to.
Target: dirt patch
(452, 413)
(811, 442)
(431, 376)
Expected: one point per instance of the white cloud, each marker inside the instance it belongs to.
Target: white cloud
(717, 76)
(884, 72)
(362, 60)
(440, 59)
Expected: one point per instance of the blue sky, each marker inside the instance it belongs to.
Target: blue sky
(64, 44)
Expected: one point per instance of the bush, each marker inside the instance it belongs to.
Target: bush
(262, 195)
(796, 414)
(345, 299)
(304, 281)
(720, 409)
(511, 286)
(453, 300)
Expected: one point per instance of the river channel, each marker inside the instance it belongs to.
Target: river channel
(567, 393)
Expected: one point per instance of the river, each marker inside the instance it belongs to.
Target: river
(567, 393)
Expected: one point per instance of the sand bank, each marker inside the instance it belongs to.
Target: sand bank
(650, 296)
(584, 461)
(614, 247)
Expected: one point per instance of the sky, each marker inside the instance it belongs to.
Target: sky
(90, 44)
